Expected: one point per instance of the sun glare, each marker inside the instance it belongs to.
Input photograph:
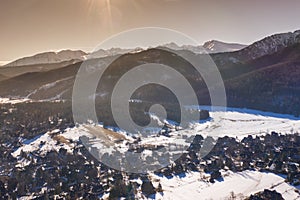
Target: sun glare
(102, 8)
(108, 7)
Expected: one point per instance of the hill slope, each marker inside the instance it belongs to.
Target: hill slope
(49, 57)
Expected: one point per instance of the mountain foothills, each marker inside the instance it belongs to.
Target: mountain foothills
(256, 158)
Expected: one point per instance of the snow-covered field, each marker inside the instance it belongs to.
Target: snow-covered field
(46, 142)
(235, 123)
(242, 184)
(240, 123)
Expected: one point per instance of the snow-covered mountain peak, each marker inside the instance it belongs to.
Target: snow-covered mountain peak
(101, 53)
(212, 46)
(209, 44)
(215, 46)
(172, 45)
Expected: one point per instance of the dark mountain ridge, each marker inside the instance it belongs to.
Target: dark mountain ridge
(266, 46)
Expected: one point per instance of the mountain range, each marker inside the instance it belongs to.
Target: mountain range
(212, 46)
(264, 75)
(266, 46)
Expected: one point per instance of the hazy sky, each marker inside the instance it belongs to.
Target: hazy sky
(32, 26)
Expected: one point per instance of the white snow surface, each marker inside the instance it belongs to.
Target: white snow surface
(18, 100)
(36, 145)
(240, 123)
(242, 184)
(13, 101)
